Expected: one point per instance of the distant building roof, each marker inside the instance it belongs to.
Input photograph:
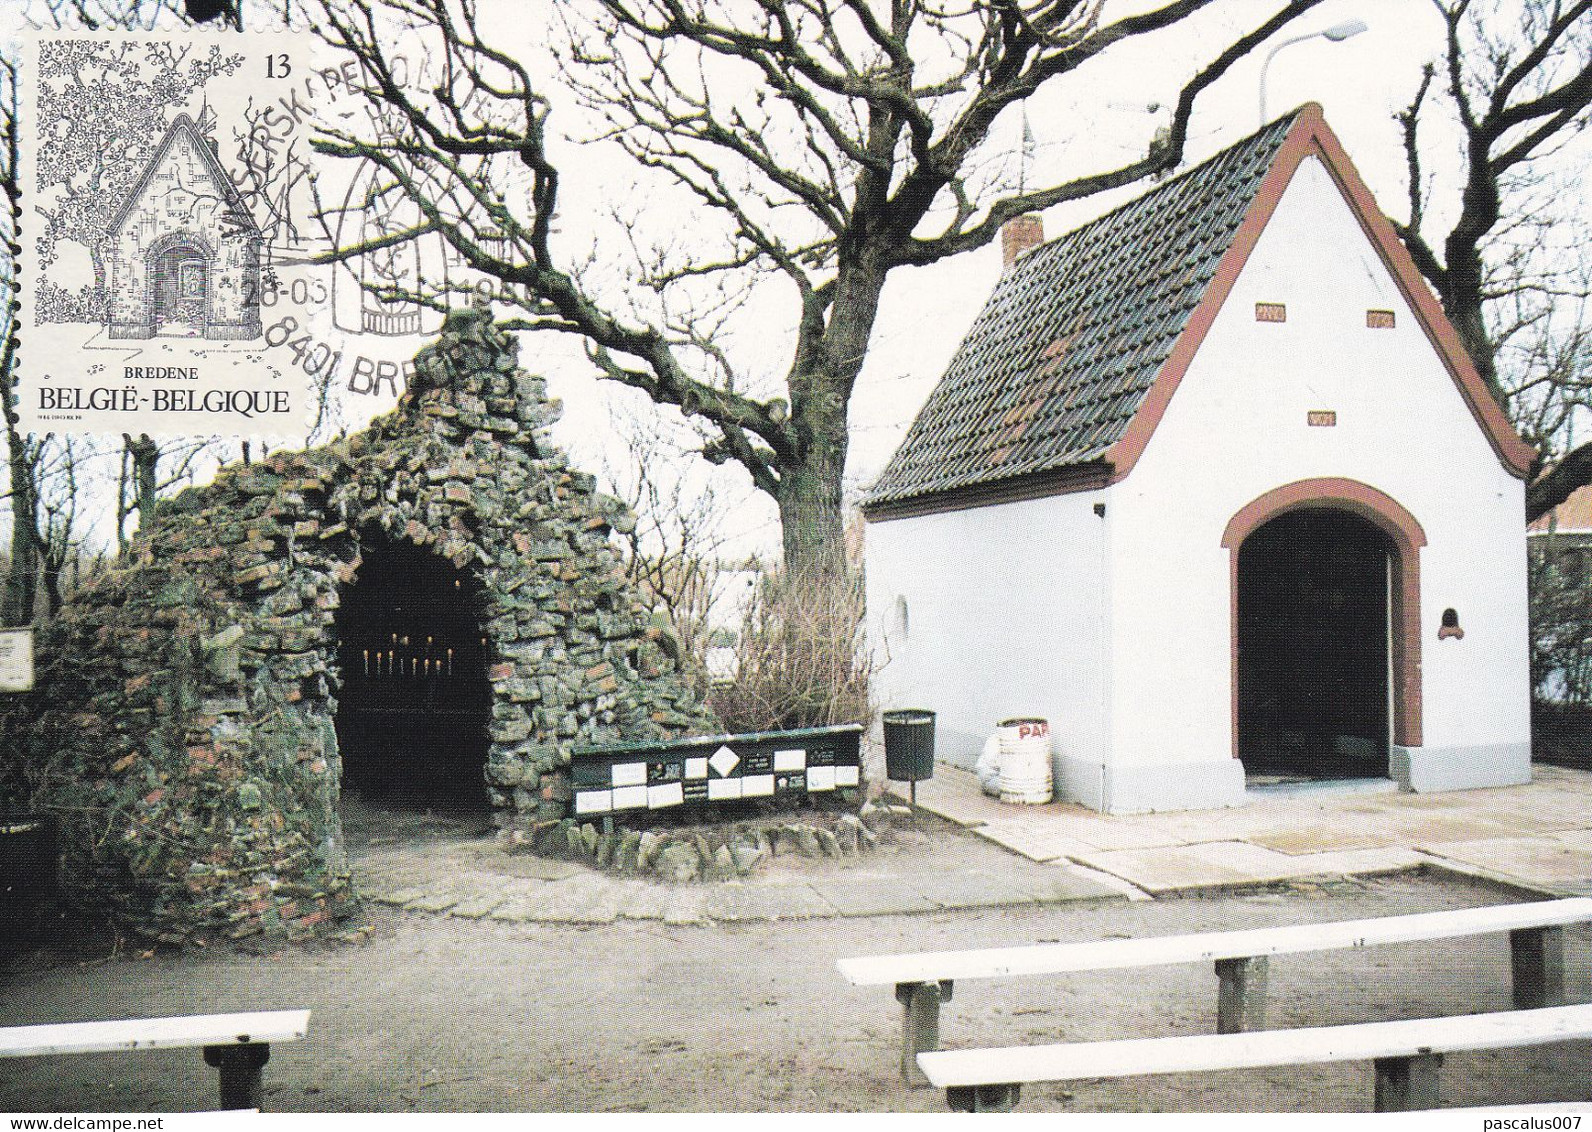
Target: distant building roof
(1573, 515)
(1083, 332)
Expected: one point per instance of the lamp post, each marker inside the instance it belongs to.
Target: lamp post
(1337, 33)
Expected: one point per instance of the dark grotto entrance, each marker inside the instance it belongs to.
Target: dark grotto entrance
(1313, 647)
(415, 704)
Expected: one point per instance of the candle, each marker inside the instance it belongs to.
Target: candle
(450, 662)
(367, 662)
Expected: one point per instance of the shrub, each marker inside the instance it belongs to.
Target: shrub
(1561, 622)
(800, 658)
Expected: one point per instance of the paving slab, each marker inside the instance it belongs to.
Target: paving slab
(765, 902)
(1360, 862)
(1418, 829)
(514, 911)
(1319, 839)
(540, 868)
(851, 897)
(1546, 820)
(948, 796)
(397, 897)
(1031, 840)
(1165, 869)
(1102, 833)
(1255, 862)
(957, 891)
(589, 899)
(685, 905)
(477, 907)
(640, 900)
(434, 900)
(1551, 865)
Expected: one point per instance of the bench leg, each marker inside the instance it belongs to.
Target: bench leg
(1537, 962)
(920, 1024)
(982, 1098)
(1241, 995)
(240, 1067)
(1407, 1084)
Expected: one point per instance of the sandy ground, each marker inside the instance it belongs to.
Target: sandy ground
(439, 1014)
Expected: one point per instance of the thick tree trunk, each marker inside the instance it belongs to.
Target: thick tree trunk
(53, 596)
(811, 519)
(22, 577)
(146, 459)
(1460, 291)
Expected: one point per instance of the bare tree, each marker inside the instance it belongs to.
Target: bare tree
(1508, 267)
(826, 143)
(674, 544)
(61, 541)
(141, 480)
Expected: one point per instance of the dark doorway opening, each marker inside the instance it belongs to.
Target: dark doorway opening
(1313, 647)
(415, 703)
(181, 282)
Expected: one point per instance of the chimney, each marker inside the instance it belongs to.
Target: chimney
(1020, 234)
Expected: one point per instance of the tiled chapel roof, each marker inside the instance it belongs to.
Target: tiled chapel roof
(1069, 367)
(1074, 334)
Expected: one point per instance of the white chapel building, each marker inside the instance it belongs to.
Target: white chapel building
(1212, 486)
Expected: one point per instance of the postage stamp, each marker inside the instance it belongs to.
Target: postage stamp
(176, 219)
(157, 199)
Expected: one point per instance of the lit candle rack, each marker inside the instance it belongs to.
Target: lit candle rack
(400, 658)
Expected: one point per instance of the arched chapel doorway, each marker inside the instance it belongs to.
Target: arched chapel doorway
(1313, 677)
(415, 703)
(179, 274)
(1326, 631)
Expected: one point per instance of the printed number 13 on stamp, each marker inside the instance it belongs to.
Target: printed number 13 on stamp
(167, 202)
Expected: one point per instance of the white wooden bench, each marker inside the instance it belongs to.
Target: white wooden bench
(1406, 1054)
(238, 1045)
(924, 980)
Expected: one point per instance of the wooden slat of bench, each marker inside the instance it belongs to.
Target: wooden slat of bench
(1365, 1041)
(154, 1033)
(1060, 958)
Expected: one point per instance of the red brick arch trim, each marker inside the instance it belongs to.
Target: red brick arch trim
(1407, 537)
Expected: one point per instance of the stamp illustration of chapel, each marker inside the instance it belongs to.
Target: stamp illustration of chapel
(182, 256)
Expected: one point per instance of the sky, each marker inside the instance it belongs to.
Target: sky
(1097, 119)
(1079, 127)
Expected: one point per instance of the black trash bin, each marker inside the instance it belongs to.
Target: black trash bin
(909, 746)
(28, 872)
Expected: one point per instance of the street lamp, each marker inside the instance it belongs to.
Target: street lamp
(1337, 33)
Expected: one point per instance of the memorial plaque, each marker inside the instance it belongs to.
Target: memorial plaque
(16, 659)
(713, 770)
